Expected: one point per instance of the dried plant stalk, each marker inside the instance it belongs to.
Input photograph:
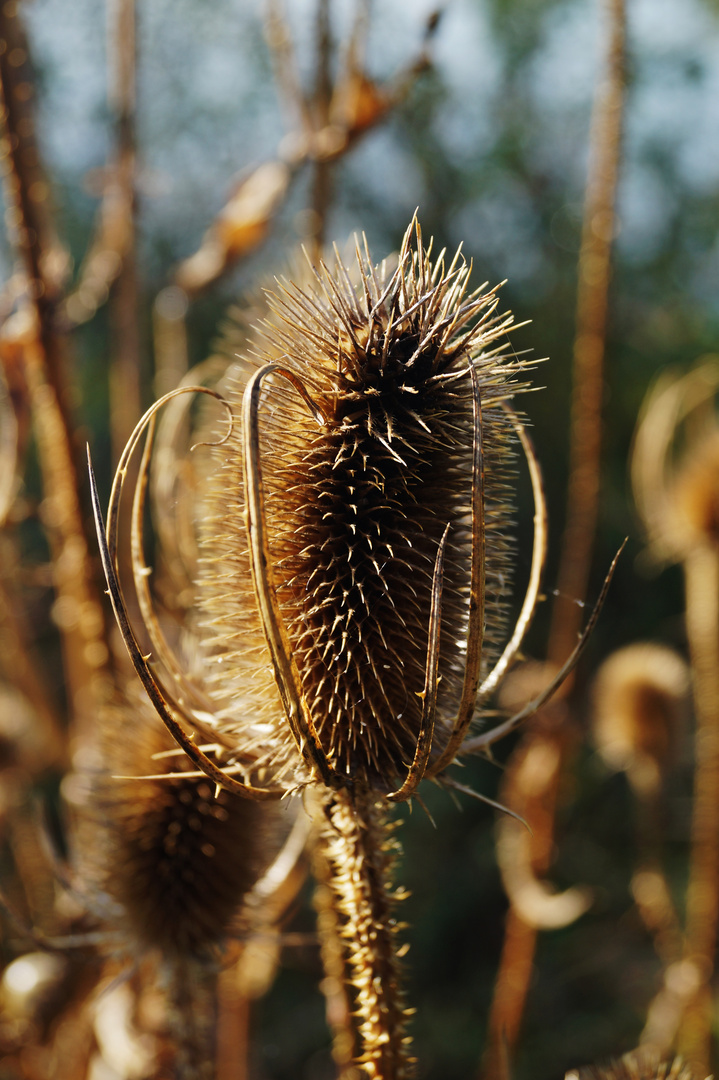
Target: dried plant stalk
(677, 499)
(369, 479)
(582, 506)
(365, 485)
(27, 193)
(360, 852)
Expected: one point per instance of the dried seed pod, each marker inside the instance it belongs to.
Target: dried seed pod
(365, 489)
(353, 512)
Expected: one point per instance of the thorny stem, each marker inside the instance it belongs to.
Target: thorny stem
(360, 853)
(338, 1006)
(701, 571)
(26, 193)
(192, 1015)
(582, 505)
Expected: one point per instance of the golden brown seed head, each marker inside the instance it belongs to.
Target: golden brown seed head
(176, 859)
(356, 508)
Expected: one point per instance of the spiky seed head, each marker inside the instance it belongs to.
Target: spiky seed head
(176, 859)
(355, 509)
(640, 701)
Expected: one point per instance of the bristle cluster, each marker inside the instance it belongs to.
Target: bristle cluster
(356, 508)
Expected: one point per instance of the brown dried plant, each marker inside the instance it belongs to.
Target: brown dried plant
(675, 473)
(345, 604)
(550, 743)
(639, 720)
(355, 550)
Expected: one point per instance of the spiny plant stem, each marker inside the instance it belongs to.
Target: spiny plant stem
(334, 962)
(360, 854)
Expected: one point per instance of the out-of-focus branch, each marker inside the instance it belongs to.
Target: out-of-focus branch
(321, 197)
(588, 358)
(125, 398)
(582, 506)
(326, 124)
(109, 267)
(21, 666)
(43, 357)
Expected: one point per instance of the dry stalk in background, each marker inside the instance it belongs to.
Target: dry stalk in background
(42, 350)
(342, 490)
(676, 495)
(552, 739)
(324, 125)
(640, 714)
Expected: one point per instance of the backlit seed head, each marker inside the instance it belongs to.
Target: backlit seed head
(355, 508)
(176, 860)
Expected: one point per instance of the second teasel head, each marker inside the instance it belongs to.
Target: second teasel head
(384, 412)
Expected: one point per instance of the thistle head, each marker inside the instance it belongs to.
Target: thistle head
(368, 491)
(174, 859)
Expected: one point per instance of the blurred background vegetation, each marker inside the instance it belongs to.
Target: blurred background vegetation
(491, 144)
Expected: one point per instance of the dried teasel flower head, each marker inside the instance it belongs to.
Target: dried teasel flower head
(374, 466)
(176, 861)
(640, 701)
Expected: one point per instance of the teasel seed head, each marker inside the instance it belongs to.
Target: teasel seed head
(640, 706)
(404, 368)
(176, 858)
(638, 1065)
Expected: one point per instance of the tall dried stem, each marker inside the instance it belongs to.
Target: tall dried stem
(701, 575)
(79, 613)
(125, 403)
(582, 507)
